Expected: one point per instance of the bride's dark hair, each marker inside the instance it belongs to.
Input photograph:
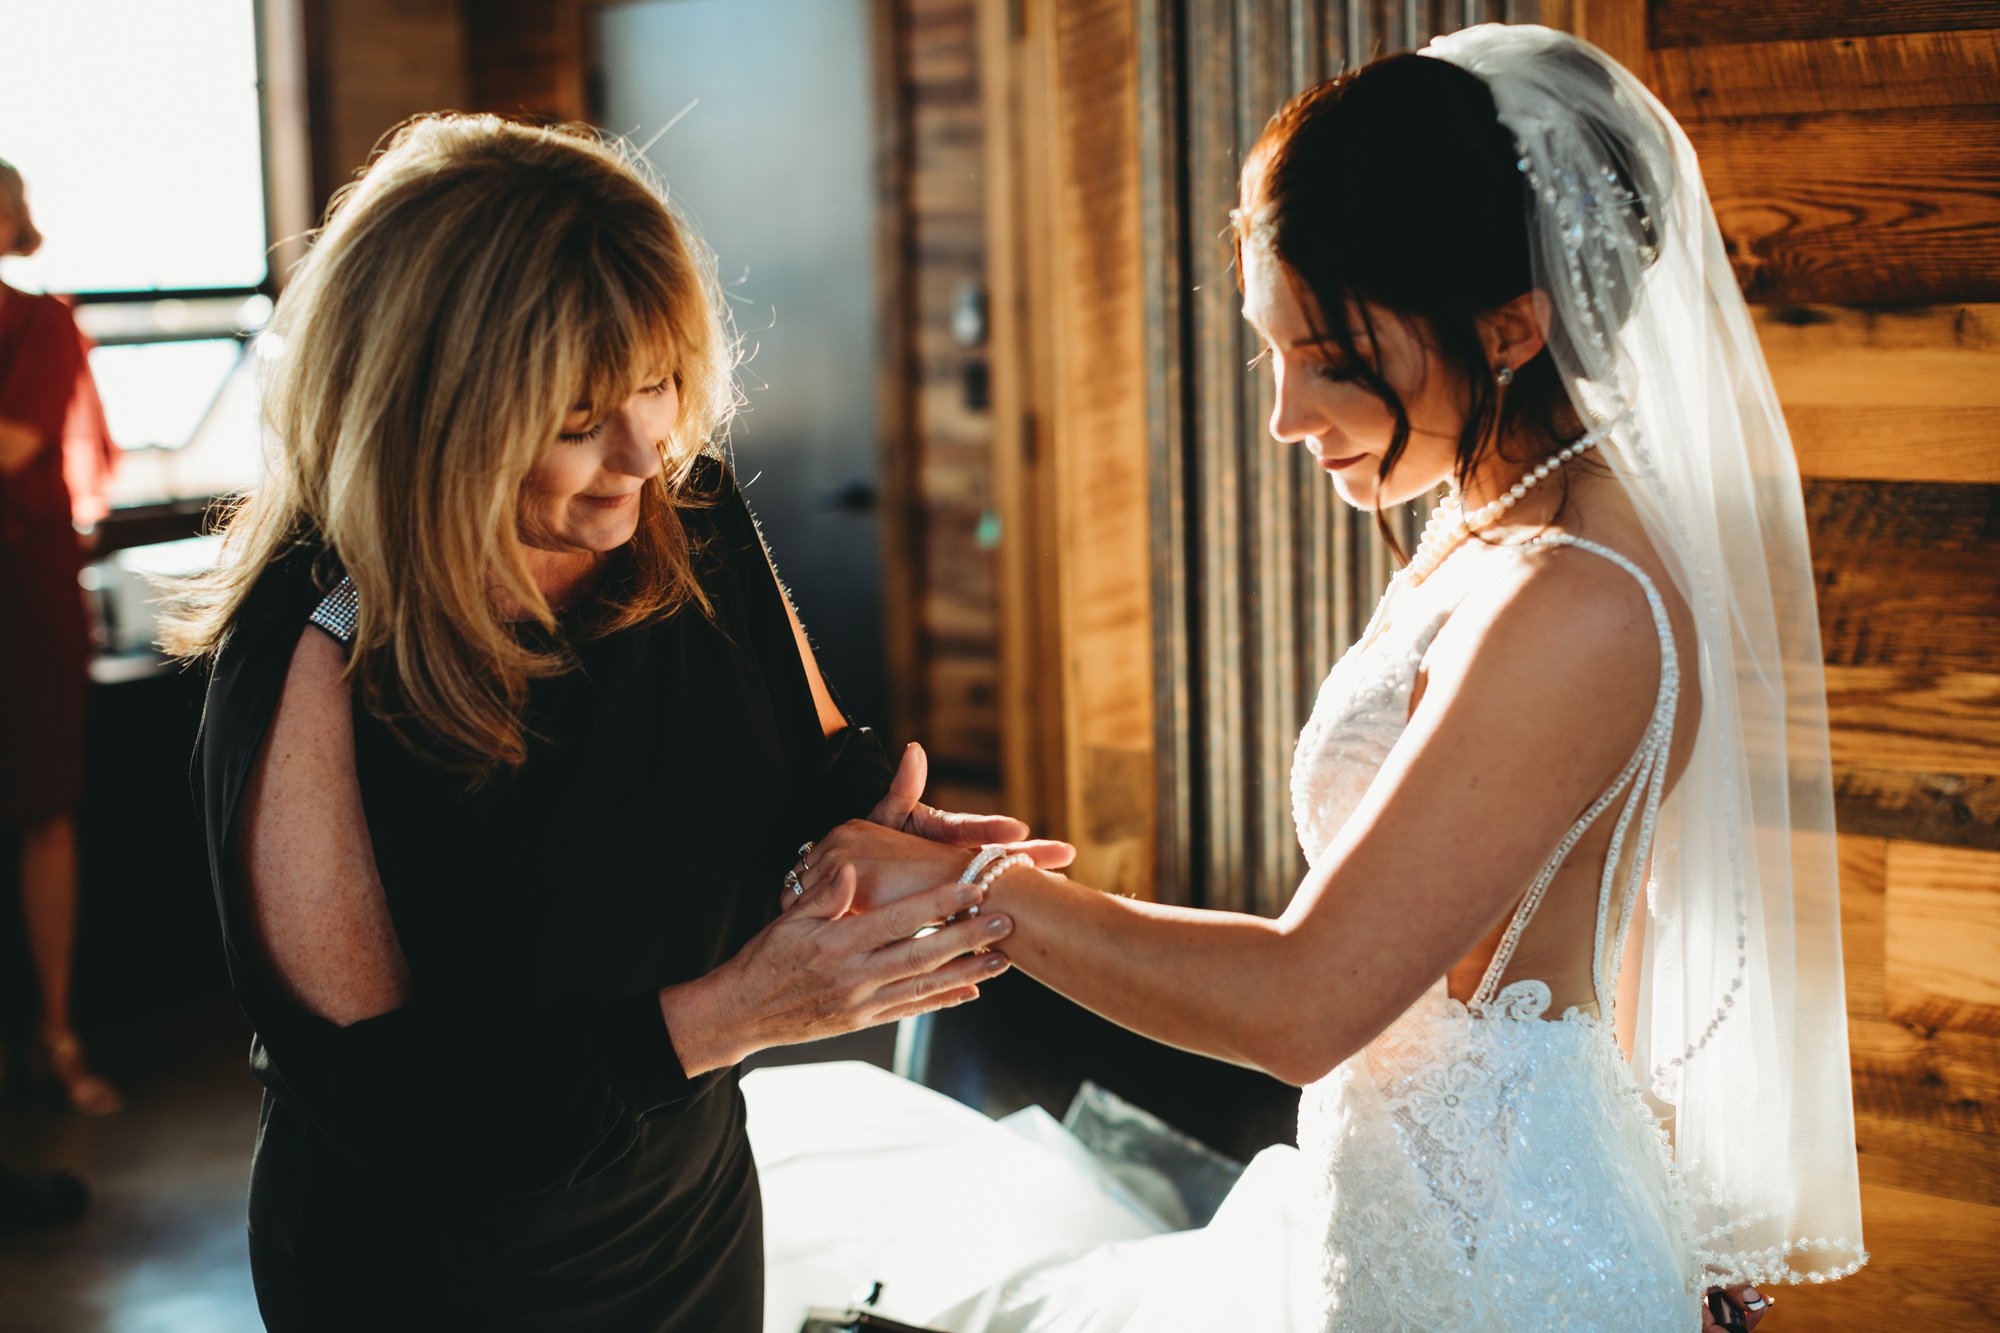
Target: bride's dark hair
(1396, 185)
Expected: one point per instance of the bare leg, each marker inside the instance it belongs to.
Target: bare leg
(48, 902)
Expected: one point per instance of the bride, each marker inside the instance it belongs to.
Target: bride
(1563, 984)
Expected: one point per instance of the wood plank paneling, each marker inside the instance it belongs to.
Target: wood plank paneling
(1891, 207)
(1928, 597)
(951, 634)
(1097, 340)
(1940, 1077)
(1943, 937)
(1707, 22)
(1914, 721)
(1864, 870)
(1901, 357)
(1949, 809)
(1897, 70)
(1899, 394)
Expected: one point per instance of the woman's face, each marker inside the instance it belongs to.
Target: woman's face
(1345, 427)
(583, 493)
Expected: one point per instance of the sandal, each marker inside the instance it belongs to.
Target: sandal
(85, 1091)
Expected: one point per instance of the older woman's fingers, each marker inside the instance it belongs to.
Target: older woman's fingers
(902, 919)
(930, 952)
(971, 970)
(930, 1004)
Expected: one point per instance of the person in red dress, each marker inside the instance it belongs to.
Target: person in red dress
(45, 394)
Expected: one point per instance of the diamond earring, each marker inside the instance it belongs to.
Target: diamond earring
(1504, 376)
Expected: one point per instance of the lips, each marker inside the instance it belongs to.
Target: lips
(1337, 464)
(609, 501)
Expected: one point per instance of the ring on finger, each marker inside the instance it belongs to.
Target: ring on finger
(805, 849)
(792, 882)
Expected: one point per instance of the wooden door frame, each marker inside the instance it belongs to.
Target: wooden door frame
(1060, 86)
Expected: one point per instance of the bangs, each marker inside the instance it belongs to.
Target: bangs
(630, 320)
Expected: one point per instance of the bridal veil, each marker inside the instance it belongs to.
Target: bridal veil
(1742, 1030)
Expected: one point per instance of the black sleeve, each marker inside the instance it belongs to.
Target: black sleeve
(838, 777)
(490, 1093)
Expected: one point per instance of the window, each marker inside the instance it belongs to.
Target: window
(136, 125)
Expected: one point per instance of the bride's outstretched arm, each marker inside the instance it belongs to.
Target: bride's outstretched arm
(1534, 700)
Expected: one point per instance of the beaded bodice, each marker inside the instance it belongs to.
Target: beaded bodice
(1479, 1160)
(1362, 708)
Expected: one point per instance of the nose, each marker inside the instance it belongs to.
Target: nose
(1292, 417)
(632, 449)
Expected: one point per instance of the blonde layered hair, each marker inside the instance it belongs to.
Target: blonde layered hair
(480, 279)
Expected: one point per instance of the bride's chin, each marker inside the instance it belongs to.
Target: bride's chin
(1362, 493)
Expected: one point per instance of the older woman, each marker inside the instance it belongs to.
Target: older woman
(510, 738)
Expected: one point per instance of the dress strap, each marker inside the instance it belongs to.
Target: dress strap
(1644, 777)
(338, 611)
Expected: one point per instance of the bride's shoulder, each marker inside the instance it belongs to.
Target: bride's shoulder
(1552, 623)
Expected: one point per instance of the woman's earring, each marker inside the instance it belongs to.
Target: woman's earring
(1504, 376)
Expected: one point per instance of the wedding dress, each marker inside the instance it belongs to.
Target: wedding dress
(1488, 1165)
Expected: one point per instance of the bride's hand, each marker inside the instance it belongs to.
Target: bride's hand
(890, 866)
(903, 809)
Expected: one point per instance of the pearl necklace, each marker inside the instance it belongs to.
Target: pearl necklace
(1450, 526)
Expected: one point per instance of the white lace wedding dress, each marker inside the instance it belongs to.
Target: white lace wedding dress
(1488, 1165)
(1477, 1167)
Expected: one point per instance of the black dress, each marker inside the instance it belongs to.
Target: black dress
(517, 1146)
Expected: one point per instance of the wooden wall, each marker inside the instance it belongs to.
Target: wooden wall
(943, 585)
(1065, 202)
(371, 64)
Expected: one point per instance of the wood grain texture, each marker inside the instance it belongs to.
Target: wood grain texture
(1784, 78)
(1894, 394)
(1097, 336)
(1943, 940)
(1914, 721)
(949, 637)
(1712, 22)
(1864, 869)
(1868, 207)
(1014, 76)
(372, 64)
(1946, 809)
(1900, 356)
(1927, 598)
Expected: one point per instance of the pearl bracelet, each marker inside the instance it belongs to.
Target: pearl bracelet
(1006, 862)
(985, 857)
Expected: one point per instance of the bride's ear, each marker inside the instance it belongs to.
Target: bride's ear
(1512, 333)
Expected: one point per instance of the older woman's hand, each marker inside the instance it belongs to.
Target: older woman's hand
(890, 866)
(822, 970)
(903, 810)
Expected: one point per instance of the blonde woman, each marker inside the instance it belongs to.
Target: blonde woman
(511, 735)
